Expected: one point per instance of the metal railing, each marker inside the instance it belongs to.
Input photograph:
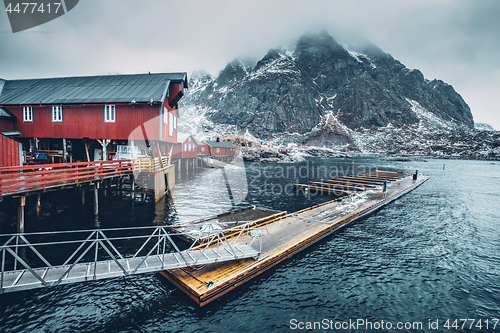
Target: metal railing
(41, 259)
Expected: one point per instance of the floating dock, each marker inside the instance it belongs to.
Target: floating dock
(288, 234)
(226, 222)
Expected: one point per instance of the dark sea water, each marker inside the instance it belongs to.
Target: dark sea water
(433, 254)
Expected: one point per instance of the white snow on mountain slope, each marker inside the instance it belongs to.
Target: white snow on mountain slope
(361, 57)
(281, 65)
(428, 120)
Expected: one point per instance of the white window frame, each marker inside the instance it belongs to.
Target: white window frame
(218, 150)
(189, 147)
(203, 148)
(111, 117)
(175, 122)
(185, 147)
(27, 114)
(170, 125)
(165, 115)
(57, 114)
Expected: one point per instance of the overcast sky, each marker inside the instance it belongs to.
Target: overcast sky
(457, 41)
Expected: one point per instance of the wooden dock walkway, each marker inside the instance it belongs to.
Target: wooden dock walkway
(289, 234)
(351, 184)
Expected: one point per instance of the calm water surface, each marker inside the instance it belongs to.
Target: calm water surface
(432, 254)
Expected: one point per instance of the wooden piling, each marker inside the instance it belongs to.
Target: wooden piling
(38, 204)
(20, 214)
(64, 150)
(83, 195)
(96, 198)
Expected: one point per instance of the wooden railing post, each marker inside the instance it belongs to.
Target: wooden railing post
(43, 177)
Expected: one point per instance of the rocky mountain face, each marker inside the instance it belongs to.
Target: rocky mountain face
(325, 94)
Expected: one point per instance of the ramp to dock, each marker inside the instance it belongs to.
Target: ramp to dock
(157, 252)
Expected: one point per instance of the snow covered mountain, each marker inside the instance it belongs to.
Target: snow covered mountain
(345, 98)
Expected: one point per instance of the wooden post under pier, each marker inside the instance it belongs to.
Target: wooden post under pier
(83, 195)
(20, 214)
(96, 198)
(38, 204)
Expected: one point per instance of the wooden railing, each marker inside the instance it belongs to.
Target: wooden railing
(150, 164)
(35, 177)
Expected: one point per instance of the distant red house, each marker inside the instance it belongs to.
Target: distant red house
(115, 108)
(190, 147)
(204, 149)
(219, 148)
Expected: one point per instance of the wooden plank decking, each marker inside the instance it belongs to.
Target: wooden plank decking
(286, 236)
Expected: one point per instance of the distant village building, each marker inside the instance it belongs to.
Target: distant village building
(190, 147)
(219, 148)
(74, 117)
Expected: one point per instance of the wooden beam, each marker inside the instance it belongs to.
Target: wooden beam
(87, 151)
(323, 189)
(347, 182)
(333, 186)
(363, 180)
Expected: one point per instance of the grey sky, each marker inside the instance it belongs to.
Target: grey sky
(457, 41)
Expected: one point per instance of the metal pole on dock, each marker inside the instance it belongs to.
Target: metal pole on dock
(20, 214)
(96, 198)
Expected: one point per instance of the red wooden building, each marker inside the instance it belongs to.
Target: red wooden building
(219, 148)
(190, 147)
(9, 152)
(9, 148)
(95, 112)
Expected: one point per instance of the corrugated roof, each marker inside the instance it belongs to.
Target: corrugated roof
(5, 113)
(221, 144)
(89, 89)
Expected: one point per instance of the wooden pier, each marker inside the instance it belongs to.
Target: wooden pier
(146, 177)
(288, 234)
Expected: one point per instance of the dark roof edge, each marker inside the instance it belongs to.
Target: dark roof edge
(6, 113)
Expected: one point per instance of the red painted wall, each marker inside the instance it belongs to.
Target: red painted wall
(81, 121)
(203, 152)
(176, 152)
(9, 152)
(7, 125)
(186, 153)
(222, 152)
